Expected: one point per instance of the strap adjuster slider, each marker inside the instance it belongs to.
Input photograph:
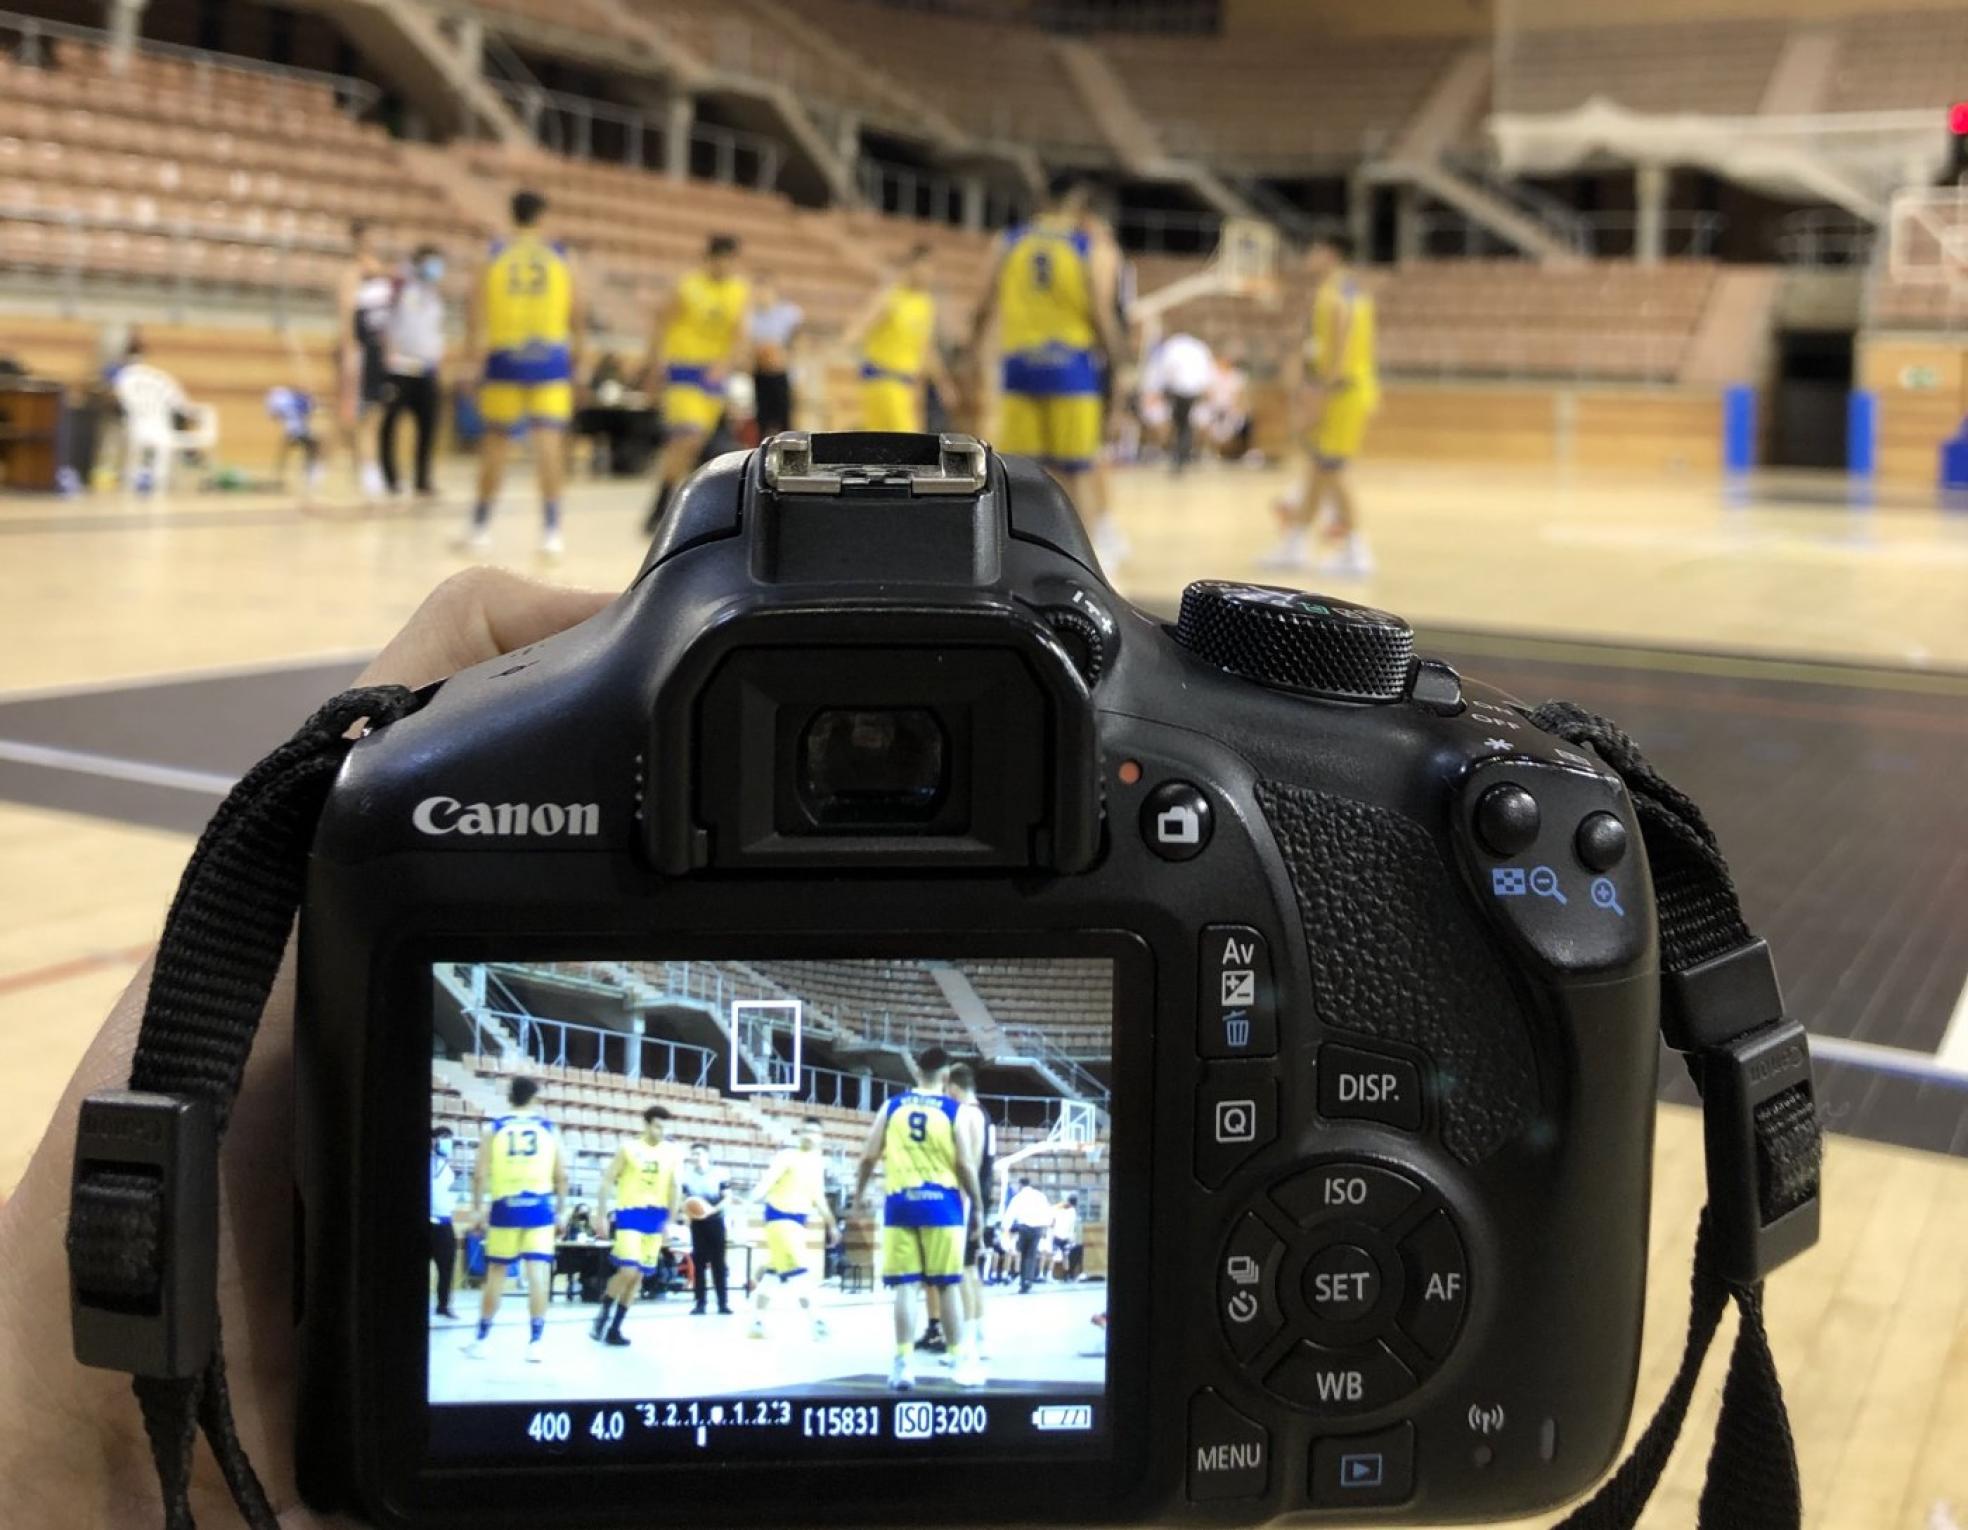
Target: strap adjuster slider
(143, 1234)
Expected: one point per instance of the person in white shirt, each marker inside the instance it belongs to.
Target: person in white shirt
(1030, 1216)
(1066, 1236)
(1181, 370)
(414, 353)
(444, 1201)
(775, 322)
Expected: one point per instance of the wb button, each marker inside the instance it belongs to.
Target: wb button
(1236, 1007)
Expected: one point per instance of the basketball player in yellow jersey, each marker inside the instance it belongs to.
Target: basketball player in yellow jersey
(1338, 391)
(1051, 294)
(792, 1191)
(895, 342)
(524, 329)
(697, 334)
(646, 1182)
(929, 1171)
(521, 1170)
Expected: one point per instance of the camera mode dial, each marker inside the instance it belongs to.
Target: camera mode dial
(1295, 641)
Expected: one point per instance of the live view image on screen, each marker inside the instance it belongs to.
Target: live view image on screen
(744, 1189)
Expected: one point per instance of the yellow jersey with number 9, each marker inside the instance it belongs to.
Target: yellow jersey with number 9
(706, 321)
(522, 1152)
(1045, 289)
(919, 1161)
(529, 311)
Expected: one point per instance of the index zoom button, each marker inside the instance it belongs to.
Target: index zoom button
(1333, 1382)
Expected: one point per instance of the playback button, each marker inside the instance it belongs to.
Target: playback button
(1364, 1470)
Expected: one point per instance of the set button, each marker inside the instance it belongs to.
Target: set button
(1342, 1284)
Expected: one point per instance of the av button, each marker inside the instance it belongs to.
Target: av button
(1229, 1455)
(1177, 821)
(1334, 1382)
(1342, 1284)
(1364, 1470)
(1247, 1287)
(1365, 1086)
(1437, 1284)
(1236, 1006)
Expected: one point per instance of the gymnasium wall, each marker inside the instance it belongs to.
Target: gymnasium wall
(1482, 18)
(1922, 386)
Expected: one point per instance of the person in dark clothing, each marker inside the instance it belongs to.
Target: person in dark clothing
(444, 1200)
(707, 1234)
(415, 356)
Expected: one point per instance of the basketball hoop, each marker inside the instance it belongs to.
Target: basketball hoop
(1245, 265)
(1927, 236)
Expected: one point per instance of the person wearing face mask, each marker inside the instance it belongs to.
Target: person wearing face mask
(415, 353)
(444, 1201)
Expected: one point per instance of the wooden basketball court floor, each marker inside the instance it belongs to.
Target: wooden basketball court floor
(1798, 661)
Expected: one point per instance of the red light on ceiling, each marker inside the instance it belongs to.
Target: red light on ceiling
(1958, 119)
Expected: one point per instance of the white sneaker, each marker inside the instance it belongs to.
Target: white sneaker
(473, 1349)
(1290, 553)
(1352, 560)
(553, 546)
(533, 1355)
(819, 1328)
(901, 1376)
(757, 1330)
(474, 539)
(373, 487)
(969, 1372)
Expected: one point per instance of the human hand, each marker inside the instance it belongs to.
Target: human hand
(72, 1447)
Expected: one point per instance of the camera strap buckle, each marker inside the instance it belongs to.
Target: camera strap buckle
(1759, 1110)
(143, 1234)
(792, 465)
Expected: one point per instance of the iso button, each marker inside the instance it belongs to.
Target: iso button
(1177, 821)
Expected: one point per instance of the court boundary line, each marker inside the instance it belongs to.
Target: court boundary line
(79, 762)
(243, 670)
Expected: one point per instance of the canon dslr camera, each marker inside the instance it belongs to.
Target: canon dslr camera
(1246, 1033)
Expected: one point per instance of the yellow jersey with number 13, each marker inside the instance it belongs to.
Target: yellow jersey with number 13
(529, 311)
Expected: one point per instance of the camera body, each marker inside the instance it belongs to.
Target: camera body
(1377, 1114)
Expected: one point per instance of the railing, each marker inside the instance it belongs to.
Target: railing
(564, 123)
(623, 1053)
(1626, 357)
(67, 256)
(25, 40)
(1825, 236)
(909, 191)
(1610, 235)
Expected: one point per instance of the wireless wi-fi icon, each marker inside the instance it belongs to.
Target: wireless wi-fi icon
(1486, 1420)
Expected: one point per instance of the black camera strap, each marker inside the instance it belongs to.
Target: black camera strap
(143, 1236)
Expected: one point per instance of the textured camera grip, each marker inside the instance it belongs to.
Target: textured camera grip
(1396, 955)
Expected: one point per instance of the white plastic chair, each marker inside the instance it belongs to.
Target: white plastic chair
(151, 400)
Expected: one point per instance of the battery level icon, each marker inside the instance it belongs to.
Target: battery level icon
(1055, 1417)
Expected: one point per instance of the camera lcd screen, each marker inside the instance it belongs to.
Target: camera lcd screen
(706, 1209)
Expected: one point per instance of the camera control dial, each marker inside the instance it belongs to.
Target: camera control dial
(1294, 641)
